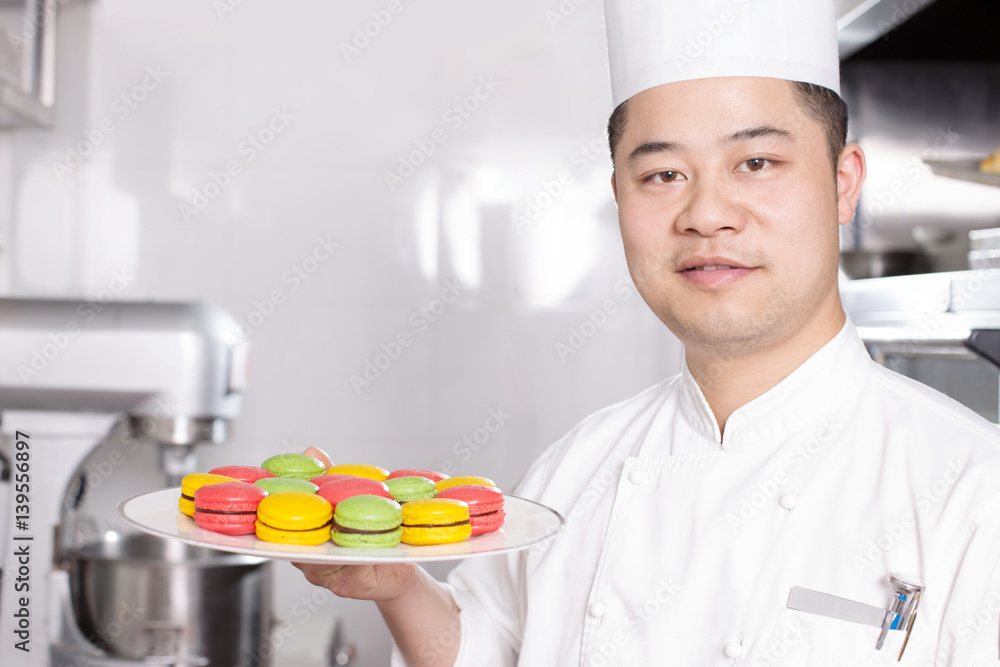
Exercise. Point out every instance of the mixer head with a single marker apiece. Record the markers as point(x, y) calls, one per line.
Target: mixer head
point(177, 438)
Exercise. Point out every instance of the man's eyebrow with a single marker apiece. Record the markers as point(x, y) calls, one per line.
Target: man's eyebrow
point(653, 147)
point(760, 131)
point(747, 134)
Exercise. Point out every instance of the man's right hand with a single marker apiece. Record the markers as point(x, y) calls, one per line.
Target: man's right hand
point(379, 583)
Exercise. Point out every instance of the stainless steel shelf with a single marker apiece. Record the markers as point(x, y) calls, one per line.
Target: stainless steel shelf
point(963, 170)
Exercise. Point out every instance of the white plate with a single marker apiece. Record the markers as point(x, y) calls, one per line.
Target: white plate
point(528, 523)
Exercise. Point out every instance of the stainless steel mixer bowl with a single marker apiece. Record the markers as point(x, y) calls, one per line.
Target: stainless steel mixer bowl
point(136, 596)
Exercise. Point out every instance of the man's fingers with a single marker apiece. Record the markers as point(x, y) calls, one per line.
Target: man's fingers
point(319, 574)
point(353, 581)
point(364, 582)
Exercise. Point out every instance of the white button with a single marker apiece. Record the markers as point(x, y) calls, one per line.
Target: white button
point(734, 650)
point(597, 610)
point(637, 477)
point(788, 500)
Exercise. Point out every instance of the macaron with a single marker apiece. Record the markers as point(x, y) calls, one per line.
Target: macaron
point(294, 518)
point(359, 470)
point(275, 485)
point(191, 483)
point(463, 480)
point(228, 507)
point(405, 489)
point(249, 474)
point(348, 487)
point(367, 521)
point(296, 466)
point(485, 505)
point(320, 480)
point(435, 521)
point(319, 455)
point(432, 475)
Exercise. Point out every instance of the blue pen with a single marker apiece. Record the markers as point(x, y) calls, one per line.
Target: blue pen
point(902, 611)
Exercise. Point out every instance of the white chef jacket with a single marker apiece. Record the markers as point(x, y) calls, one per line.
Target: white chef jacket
point(681, 545)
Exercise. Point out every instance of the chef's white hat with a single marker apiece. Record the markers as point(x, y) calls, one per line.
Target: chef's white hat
point(652, 42)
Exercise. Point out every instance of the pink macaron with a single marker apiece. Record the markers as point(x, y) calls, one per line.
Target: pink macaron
point(320, 480)
point(228, 507)
point(485, 505)
point(318, 453)
point(249, 474)
point(339, 489)
point(432, 475)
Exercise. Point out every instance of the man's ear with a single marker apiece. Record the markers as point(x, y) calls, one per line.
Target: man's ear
point(614, 187)
point(851, 170)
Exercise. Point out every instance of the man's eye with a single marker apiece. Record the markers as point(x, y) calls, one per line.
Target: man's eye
point(664, 177)
point(756, 163)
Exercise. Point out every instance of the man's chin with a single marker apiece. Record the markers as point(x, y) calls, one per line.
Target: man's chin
point(733, 335)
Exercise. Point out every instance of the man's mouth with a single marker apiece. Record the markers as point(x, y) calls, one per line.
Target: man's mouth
point(714, 267)
point(709, 271)
point(708, 263)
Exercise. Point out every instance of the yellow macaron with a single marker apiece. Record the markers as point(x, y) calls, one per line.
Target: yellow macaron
point(193, 482)
point(295, 517)
point(462, 481)
point(435, 521)
point(359, 470)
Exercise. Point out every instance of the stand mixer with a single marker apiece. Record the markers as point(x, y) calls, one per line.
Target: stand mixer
point(99, 401)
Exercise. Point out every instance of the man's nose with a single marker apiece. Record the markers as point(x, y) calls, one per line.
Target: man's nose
point(710, 210)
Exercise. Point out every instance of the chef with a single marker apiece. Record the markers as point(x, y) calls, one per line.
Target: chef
point(763, 506)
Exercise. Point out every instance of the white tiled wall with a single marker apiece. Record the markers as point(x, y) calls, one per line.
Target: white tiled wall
point(523, 288)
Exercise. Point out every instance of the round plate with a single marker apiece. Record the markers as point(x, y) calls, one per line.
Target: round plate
point(528, 523)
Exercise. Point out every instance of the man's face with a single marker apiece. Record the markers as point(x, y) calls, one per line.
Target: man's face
point(731, 173)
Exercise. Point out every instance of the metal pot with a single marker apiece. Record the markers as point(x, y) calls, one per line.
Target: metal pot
point(138, 596)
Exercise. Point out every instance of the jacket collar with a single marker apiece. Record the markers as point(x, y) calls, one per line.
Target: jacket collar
point(811, 395)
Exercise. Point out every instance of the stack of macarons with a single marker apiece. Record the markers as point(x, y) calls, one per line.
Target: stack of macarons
point(228, 507)
point(367, 521)
point(306, 499)
point(190, 485)
point(485, 505)
point(294, 517)
point(435, 521)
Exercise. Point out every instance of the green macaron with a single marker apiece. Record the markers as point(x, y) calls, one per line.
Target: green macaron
point(405, 489)
point(367, 521)
point(296, 466)
point(275, 485)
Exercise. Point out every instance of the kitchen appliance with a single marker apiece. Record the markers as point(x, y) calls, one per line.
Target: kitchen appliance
point(984, 247)
point(99, 400)
point(942, 329)
point(27, 61)
point(222, 617)
point(859, 264)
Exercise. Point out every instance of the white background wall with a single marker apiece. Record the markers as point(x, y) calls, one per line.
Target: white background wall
point(526, 288)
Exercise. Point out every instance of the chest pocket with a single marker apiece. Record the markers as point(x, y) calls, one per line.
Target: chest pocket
point(809, 640)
